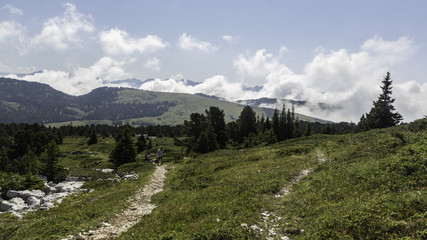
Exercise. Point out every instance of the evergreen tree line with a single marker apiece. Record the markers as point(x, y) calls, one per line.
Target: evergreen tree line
point(30, 150)
point(104, 130)
point(209, 132)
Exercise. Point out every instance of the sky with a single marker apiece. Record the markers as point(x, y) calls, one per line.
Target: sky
point(335, 52)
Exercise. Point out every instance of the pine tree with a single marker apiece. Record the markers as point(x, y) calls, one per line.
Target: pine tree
point(382, 114)
point(4, 159)
point(275, 124)
point(247, 122)
point(308, 130)
point(93, 137)
point(203, 143)
point(49, 159)
point(141, 144)
point(124, 152)
point(283, 125)
point(29, 163)
point(215, 118)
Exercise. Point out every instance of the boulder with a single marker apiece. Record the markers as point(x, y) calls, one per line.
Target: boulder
point(68, 187)
point(48, 189)
point(5, 206)
point(33, 201)
point(24, 194)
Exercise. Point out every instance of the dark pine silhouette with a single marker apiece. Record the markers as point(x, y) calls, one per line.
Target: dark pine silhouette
point(383, 113)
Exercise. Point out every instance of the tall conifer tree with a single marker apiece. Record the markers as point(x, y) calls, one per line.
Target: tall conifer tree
point(383, 113)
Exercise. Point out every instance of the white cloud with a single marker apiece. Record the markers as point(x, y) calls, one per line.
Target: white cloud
point(261, 66)
point(12, 10)
point(62, 32)
point(338, 78)
point(153, 64)
point(11, 31)
point(188, 42)
point(217, 85)
point(283, 50)
point(116, 41)
point(390, 51)
point(4, 68)
point(228, 38)
point(81, 80)
point(410, 99)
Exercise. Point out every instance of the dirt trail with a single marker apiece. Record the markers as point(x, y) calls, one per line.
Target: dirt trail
point(140, 205)
point(269, 227)
point(286, 190)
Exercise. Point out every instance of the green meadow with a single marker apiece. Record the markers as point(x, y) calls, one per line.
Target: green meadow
point(372, 185)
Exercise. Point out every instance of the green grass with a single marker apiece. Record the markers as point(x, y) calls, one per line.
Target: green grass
point(371, 186)
point(82, 211)
point(213, 194)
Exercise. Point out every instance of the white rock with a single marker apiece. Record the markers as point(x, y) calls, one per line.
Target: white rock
point(33, 201)
point(130, 177)
point(55, 197)
point(48, 189)
point(24, 194)
point(68, 186)
point(18, 204)
point(256, 228)
point(107, 170)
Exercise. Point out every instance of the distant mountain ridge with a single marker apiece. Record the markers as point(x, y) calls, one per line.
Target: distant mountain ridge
point(29, 102)
point(263, 102)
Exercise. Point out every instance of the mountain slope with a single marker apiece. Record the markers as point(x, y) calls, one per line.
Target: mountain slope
point(28, 102)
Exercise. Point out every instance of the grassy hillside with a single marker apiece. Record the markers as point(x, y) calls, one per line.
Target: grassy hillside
point(29, 102)
point(184, 105)
point(372, 185)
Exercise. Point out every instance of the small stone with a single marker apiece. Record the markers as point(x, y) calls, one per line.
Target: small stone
point(106, 224)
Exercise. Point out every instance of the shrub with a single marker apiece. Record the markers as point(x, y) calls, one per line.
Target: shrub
point(13, 181)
